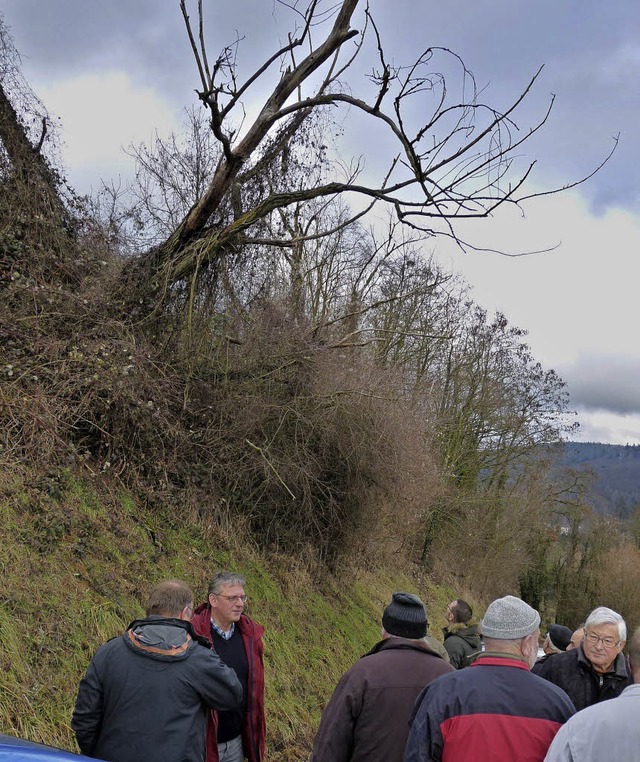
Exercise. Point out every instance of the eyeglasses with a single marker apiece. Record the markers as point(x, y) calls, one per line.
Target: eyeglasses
point(233, 598)
point(594, 639)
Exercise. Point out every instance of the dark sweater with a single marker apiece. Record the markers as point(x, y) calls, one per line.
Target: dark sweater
point(232, 654)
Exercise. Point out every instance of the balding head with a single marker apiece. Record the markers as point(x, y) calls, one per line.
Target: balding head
point(170, 599)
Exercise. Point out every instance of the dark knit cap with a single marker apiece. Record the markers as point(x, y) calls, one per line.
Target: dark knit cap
point(405, 617)
point(560, 636)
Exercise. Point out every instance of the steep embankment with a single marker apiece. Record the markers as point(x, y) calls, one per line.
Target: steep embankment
point(77, 557)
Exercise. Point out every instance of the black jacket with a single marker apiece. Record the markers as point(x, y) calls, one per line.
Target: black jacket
point(572, 671)
point(146, 693)
point(463, 643)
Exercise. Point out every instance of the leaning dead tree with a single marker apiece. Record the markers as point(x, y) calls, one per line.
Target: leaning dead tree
point(457, 161)
point(441, 158)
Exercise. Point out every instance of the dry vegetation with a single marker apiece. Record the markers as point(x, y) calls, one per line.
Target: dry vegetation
point(316, 414)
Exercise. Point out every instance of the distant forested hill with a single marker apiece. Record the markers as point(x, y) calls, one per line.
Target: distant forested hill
point(616, 489)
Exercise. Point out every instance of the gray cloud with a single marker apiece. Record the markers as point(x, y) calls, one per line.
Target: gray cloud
point(591, 59)
point(618, 430)
point(73, 38)
point(593, 74)
point(604, 383)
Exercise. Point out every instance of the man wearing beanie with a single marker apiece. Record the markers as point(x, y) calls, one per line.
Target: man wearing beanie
point(496, 710)
point(366, 719)
point(557, 639)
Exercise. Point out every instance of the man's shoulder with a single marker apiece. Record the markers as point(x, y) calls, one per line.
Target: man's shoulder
point(487, 687)
point(201, 621)
point(110, 646)
point(248, 626)
point(565, 661)
point(429, 647)
point(398, 657)
point(546, 686)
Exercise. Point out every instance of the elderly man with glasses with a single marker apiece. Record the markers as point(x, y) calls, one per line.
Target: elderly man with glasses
point(597, 670)
point(234, 736)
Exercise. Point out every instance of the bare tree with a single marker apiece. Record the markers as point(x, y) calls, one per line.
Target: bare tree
point(457, 162)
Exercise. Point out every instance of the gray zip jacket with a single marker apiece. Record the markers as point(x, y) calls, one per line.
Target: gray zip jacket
point(146, 694)
point(608, 730)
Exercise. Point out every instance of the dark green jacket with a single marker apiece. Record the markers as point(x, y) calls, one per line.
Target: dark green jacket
point(463, 643)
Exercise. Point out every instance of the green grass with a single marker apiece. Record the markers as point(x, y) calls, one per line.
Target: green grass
point(77, 559)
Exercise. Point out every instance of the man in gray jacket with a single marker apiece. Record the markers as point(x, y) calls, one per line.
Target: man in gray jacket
point(146, 693)
point(366, 719)
point(608, 730)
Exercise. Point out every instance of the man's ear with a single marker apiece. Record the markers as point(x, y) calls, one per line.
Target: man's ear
point(525, 644)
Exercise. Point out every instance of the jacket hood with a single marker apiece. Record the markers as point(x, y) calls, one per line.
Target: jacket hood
point(402, 644)
point(468, 631)
point(164, 639)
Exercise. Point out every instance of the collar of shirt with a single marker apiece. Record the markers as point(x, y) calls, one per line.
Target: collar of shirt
point(225, 634)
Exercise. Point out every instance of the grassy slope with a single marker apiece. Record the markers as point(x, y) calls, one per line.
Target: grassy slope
point(77, 559)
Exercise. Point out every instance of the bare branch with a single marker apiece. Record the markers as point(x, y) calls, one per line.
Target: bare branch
point(460, 162)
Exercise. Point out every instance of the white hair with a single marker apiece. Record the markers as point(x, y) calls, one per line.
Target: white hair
point(550, 643)
point(603, 615)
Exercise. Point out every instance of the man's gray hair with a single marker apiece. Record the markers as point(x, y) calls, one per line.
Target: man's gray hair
point(225, 578)
point(603, 615)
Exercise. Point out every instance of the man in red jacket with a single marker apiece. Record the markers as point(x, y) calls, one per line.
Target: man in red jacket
point(496, 710)
point(234, 736)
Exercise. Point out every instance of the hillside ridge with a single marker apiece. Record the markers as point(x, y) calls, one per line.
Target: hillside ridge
point(616, 469)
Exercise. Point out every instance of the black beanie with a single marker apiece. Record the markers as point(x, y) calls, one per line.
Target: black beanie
point(405, 617)
point(560, 636)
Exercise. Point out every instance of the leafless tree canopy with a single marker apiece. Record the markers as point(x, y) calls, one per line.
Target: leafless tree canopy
point(458, 160)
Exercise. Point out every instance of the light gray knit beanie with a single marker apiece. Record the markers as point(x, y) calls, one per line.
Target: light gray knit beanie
point(509, 618)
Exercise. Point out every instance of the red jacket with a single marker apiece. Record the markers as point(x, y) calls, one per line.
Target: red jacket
point(253, 725)
point(496, 710)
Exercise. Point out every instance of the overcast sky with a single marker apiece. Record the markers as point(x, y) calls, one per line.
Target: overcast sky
point(116, 71)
